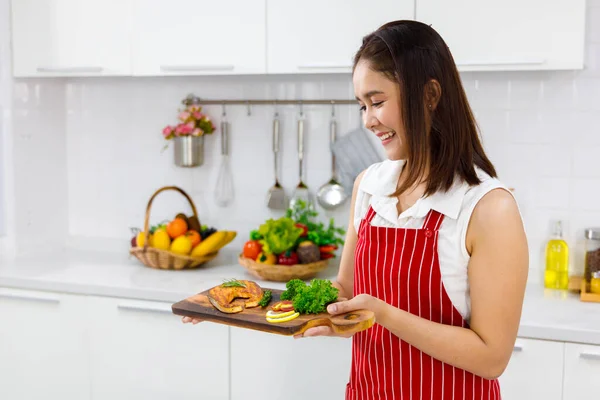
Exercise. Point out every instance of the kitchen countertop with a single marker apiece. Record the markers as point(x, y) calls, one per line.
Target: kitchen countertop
point(549, 315)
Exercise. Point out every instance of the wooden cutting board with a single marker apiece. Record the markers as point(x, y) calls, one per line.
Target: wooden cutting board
point(198, 306)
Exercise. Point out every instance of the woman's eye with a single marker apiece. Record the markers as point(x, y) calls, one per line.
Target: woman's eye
point(377, 104)
point(363, 108)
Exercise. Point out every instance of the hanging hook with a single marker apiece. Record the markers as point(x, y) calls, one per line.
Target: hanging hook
point(276, 110)
point(224, 112)
point(301, 109)
point(332, 109)
point(190, 99)
point(249, 110)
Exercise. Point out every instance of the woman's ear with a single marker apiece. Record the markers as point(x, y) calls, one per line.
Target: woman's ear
point(432, 94)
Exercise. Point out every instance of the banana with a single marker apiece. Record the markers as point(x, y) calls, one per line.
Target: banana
point(210, 244)
point(213, 243)
point(230, 236)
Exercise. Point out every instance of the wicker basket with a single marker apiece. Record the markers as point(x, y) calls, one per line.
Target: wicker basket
point(282, 273)
point(164, 259)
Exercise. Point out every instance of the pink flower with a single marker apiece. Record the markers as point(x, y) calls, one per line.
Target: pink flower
point(183, 129)
point(197, 115)
point(197, 132)
point(167, 132)
point(183, 116)
point(191, 125)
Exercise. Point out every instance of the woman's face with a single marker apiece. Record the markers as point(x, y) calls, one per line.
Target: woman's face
point(379, 99)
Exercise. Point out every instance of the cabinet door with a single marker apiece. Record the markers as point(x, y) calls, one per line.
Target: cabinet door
point(510, 34)
point(534, 371)
point(199, 37)
point(288, 368)
point(582, 372)
point(314, 36)
point(43, 346)
point(71, 37)
point(140, 350)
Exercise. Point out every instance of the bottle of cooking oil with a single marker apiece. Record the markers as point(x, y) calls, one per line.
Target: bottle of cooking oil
point(556, 275)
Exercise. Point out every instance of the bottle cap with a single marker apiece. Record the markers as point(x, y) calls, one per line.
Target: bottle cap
point(592, 233)
point(558, 231)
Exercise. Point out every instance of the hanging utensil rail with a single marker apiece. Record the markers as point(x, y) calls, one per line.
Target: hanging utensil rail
point(197, 100)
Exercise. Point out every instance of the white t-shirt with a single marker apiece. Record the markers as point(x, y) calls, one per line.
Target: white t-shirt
point(457, 205)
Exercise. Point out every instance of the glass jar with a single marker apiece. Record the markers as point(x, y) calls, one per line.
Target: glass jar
point(592, 259)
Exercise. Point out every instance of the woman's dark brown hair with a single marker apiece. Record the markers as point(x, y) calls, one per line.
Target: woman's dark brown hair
point(413, 54)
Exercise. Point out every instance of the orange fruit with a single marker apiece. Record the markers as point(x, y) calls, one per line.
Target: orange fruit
point(194, 237)
point(177, 227)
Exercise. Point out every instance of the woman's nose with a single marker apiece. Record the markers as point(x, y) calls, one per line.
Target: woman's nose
point(369, 120)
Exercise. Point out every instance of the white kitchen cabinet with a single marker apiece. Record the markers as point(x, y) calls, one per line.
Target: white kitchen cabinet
point(140, 350)
point(582, 372)
point(315, 36)
point(534, 371)
point(199, 37)
point(43, 346)
point(510, 34)
point(286, 368)
point(71, 37)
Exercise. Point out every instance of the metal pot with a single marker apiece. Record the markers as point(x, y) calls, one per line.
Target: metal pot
point(189, 151)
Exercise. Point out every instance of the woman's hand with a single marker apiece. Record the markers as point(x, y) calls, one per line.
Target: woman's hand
point(360, 302)
point(187, 320)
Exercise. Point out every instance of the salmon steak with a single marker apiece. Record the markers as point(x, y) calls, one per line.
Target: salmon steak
point(233, 299)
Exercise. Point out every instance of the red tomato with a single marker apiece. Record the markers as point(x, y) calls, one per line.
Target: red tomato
point(252, 249)
point(286, 307)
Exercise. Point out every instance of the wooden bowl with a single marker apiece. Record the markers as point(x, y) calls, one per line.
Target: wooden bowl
point(282, 273)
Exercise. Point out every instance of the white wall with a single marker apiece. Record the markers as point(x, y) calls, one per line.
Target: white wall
point(98, 156)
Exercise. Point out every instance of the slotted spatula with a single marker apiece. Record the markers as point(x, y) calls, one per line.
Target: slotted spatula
point(276, 198)
point(301, 192)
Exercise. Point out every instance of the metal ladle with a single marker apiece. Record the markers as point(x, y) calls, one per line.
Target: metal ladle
point(332, 194)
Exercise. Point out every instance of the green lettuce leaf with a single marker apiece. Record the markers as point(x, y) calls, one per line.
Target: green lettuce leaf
point(278, 235)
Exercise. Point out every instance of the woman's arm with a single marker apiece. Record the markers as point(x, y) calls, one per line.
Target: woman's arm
point(345, 278)
point(497, 277)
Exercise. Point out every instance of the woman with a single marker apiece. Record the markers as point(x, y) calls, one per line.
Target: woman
point(435, 244)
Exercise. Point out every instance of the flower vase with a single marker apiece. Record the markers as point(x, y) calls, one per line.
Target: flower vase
point(189, 151)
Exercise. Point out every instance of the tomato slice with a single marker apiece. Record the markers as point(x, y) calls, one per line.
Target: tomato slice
point(283, 303)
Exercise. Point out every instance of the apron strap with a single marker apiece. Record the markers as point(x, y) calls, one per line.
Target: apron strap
point(370, 214)
point(433, 221)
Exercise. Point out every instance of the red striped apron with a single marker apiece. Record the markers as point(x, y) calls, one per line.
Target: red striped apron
point(401, 267)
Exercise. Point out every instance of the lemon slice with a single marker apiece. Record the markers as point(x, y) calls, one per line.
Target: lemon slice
point(276, 315)
point(283, 319)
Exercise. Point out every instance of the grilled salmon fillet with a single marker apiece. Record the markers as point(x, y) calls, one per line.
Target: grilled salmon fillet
point(222, 298)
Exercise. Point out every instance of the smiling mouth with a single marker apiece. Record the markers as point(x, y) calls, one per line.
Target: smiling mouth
point(386, 136)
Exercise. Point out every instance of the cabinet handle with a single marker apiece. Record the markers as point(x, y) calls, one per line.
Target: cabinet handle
point(517, 348)
point(71, 69)
point(476, 63)
point(590, 356)
point(145, 308)
point(192, 68)
point(31, 297)
point(325, 66)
